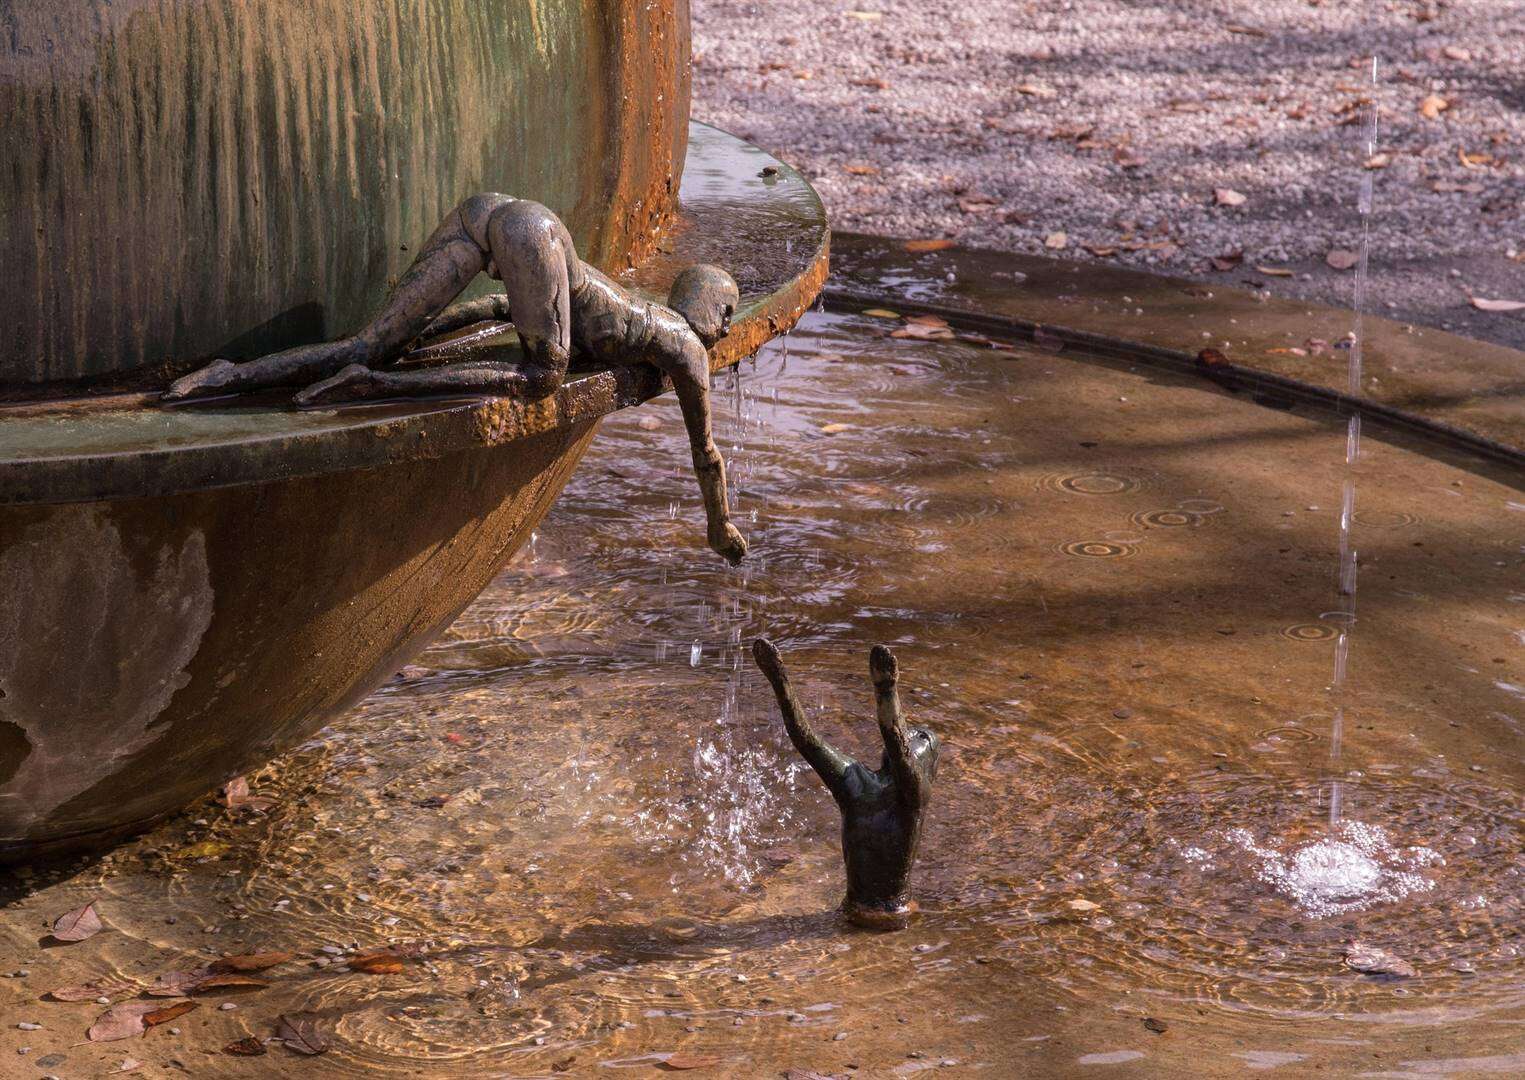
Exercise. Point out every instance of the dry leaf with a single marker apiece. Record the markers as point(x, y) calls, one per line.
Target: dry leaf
point(881, 313)
point(77, 925)
point(1211, 358)
point(377, 963)
point(1037, 90)
point(691, 1061)
point(1370, 960)
point(861, 170)
point(129, 1065)
point(1082, 905)
point(1378, 161)
point(1101, 251)
point(228, 980)
point(1497, 305)
point(926, 320)
point(1432, 106)
point(870, 84)
point(976, 204)
point(834, 429)
point(1056, 241)
point(1472, 161)
point(1340, 259)
point(250, 961)
point(1228, 197)
point(1291, 351)
point(247, 1047)
point(1274, 271)
point(300, 1034)
point(940, 244)
point(91, 991)
point(121, 1021)
point(1317, 346)
point(164, 1014)
point(1228, 260)
point(806, 1074)
point(866, 16)
point(1457, 53)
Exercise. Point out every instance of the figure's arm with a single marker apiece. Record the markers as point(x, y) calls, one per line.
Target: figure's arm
point(492, 308)
point(910, 785)
point(829, 763)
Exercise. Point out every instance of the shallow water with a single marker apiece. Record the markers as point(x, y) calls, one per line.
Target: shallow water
point(580, 818)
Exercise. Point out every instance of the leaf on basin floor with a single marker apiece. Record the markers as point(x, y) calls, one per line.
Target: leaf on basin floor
point(1370, 960)
point(1156, 1026)
point(1228, 197)
point(835, 429)
point(1497, 305)
point(1037, 90)
point(807, 1074)
point(1340, 259)
point(381, 962)
point(228, 980)
point(129, 1065)
point(246, 1047)
point(1082, 905)
point(1274, 271)
point(1228, 260)
point(176, 983)
point(300, 1034)
point(1211, 358)
point(881, 313)
point(164, 1014)
point(121, 1021)
point(77, 925)
point(922, 332)
point(927, 320)
point(937, 244)
point(91, 991)
point(684, 1062)
point(250, 962)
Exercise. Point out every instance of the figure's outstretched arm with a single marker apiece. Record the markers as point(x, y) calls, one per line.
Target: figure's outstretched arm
point(911, 785)
point(829, 763)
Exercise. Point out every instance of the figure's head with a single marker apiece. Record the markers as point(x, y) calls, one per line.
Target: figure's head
point(706, 296)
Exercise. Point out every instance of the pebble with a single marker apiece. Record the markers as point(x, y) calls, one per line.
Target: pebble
point(174, 1031)
point(228, 1006)
point(839, 1036)
point(27, 1025)
point(332, 950)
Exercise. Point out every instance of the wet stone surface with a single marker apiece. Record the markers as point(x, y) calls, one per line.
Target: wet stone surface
point(573, 837)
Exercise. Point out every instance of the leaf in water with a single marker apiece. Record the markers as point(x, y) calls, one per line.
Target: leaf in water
point(861, 170)
point(648, 423)
point(939, 244)
point(922, 332)
point(77, 925)
point(1156, 1026)
point(129, 1065)
point(207, 849)
point(1082, 905)
point(1432, 106)
point(1228, 197)
point(247, 1047)
point(927, 320)
point(1370, 960)
point(835, 429)
point(684, 1062)
point(1228, 260)
point(165, 1014)
point(382, 962)
point(91, 991)
point(121, 1021)
point(1497, 305)
point(250, 961)
point(228, 980)
point(1274, 271)
point(176, 983)
point(1211, 358)
point(1340, 259)
point(1037, 90)
point(881, 313)
point(300, 1034)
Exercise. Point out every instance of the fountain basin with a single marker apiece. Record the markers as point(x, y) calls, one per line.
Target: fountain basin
point(189, 590)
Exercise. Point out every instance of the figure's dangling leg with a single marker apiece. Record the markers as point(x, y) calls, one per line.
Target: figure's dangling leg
point(535, 257)
point(449, 259)
point(360, 383)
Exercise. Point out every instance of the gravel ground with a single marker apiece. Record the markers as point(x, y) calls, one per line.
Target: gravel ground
point(1104, 129)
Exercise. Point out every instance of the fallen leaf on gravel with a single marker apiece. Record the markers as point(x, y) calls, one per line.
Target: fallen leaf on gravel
point(383, 962)
point(861, 170)
point(1211, 358)
point(1472, 161)
point(1497, 305)
point(692, 1061)
point(247, 1047)
point(1432, 106)
point(1228, 260)
point(866, 16)
point(129, 1065)
point(805, 1074)
point(976, 204)
point(1274, 271)
point(1156, 1026)
point(835, 429)
point(1370, 960)
point(166, 1013)
point(300, 1034)
point(121, 1021)
point(1249, 31)
point(1228, 197)
point(926, 320)
point(90, 991)
point(1101, 251)
point(881, 313)
point(1037, 90)
point(1471, 187)
point(1082, 905)
point(938, 244)
point(870, 84)
point(258, 961)
point(77, 925)
point(1457, 53)
point(1056, 241)
point(1378, 161)
point(1340, 259)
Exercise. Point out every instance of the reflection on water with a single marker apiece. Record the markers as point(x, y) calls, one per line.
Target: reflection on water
point(580, 820)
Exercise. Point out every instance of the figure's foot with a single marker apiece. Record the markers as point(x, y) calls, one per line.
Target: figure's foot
point(892, 915)
point(216, 377)
point(353, 383)
point(729, 544)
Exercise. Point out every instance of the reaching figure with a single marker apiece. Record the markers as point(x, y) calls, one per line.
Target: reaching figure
point(557, 304)
point(881, 810)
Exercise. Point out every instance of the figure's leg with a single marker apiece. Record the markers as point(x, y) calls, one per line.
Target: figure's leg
point(360, 383)
point(534, 255)
point(690, 373)
point(450, 258)
point(492, 308)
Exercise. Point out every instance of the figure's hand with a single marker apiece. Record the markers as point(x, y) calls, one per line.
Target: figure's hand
point(728, 543)
point(216, 377)
point(354, 382)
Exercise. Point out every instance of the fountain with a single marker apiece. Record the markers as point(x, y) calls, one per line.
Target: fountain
point(189, 591)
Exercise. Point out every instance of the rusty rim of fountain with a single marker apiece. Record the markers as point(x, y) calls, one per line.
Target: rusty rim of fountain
point(738, 206)
point(1449, 390)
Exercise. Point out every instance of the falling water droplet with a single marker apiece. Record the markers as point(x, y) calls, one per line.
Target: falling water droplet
point(695, 652)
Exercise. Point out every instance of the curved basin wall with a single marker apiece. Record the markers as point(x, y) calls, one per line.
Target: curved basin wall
point(141, 640)
point(197, 178)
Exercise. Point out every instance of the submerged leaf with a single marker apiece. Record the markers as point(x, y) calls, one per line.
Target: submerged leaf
point(77, 925)
point(381, 962)
point(299, 1034)
point(1370, 960)
point(90, 991)
point(246, 1047)
point(121, 1021)
point(940, 244)
point(250, 961)
point(164, 1014)
point(1497, 305)
point(692, 1061)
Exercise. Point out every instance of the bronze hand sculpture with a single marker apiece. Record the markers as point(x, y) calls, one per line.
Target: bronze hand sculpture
point(881, 809)
point(557, 305)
